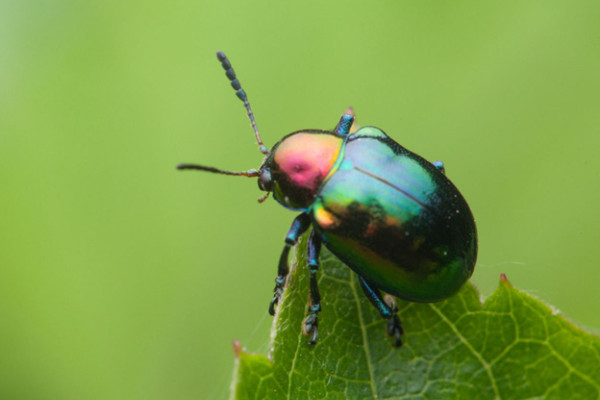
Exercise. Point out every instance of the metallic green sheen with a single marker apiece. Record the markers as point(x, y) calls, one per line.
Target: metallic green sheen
point(395, 219)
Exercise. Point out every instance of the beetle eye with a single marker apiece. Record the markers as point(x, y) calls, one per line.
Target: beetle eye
point(264, 180)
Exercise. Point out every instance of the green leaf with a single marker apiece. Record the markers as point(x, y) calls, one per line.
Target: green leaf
point(510, 347)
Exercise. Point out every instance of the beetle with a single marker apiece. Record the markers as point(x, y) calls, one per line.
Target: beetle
point(390, 215)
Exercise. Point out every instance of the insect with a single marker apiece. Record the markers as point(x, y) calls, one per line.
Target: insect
point(391, 216)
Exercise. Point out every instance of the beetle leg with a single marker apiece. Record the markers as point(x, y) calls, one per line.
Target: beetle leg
point(386, 307)
point(312, 321)
point(440, 166)
point(343, 127)
point(299, 226)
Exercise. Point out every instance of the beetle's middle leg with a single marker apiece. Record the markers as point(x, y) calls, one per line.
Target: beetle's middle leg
point(311, 322)
point(387, 309)
point(299, 226)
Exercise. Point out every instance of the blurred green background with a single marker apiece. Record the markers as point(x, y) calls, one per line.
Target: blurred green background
point(121, 278)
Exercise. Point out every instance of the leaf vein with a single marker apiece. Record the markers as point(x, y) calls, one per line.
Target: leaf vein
point(477, 355)
point(364, 336)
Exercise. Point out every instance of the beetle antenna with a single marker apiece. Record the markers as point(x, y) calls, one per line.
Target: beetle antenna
point(251, 173)
point(241, 94)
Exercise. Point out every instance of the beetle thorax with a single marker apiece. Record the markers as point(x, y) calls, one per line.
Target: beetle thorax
point(300, 163)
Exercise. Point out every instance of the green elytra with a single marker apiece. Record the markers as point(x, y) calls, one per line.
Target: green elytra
point(390, 215)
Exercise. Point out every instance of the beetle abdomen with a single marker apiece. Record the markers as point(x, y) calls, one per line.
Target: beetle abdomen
point(396, 220)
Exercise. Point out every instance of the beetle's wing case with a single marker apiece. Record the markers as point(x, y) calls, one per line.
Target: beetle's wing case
point(395, 219)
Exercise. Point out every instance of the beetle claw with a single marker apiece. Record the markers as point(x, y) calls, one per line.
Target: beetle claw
point(275, 299)
point(394, 329)
point(278, 291)
point(272, 304)
point(313, 340)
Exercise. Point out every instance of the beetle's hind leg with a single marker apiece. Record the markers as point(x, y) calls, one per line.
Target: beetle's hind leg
point(387, 309)
point(311, 322)
point(299, 226)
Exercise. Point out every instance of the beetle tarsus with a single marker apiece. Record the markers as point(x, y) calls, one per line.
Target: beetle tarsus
point(312, 321)
point(394, 326)
point(279, 284)
point(394, 329)
point(310, 326)
point(274, 301)
point(387, 309)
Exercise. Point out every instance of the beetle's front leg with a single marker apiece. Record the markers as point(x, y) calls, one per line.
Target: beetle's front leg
point(387, 309)
point(311, 322)
point(299, 226)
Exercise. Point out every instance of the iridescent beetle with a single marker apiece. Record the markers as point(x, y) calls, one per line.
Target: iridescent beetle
point(387, 213)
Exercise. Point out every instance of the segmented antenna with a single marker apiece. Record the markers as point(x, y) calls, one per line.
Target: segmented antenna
point(241, 94)
point(250, 173)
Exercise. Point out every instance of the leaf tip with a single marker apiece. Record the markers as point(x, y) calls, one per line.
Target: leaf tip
point(237, 348)
point(504, 280)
